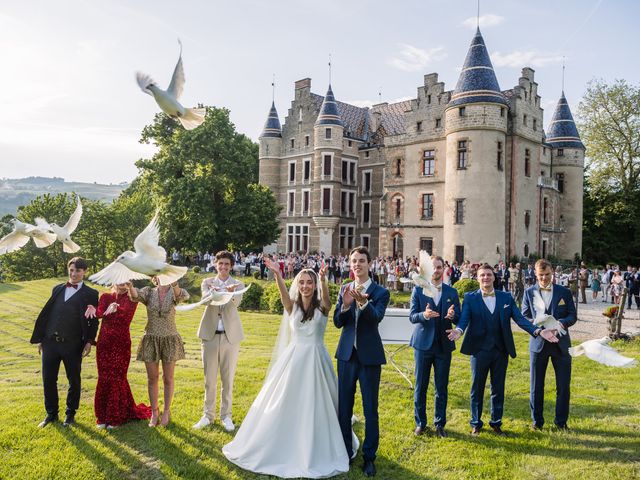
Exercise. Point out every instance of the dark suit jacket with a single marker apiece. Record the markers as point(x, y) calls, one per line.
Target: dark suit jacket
point(89, 325)
point(472, 320)
point(370, 350)
point(425, 331)
point(562, 308)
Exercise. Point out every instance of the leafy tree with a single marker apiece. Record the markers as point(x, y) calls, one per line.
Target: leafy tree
point(204, 182)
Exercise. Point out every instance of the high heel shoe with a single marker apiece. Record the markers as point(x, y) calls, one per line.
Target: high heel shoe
point(166, 418)
point(155, 416)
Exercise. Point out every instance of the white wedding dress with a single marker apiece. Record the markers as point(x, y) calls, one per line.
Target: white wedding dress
point(291, 429)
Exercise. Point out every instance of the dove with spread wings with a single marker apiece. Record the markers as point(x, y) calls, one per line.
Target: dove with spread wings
point(148, 260)
point(21, 234)
point(213, 298)
point(423, 277)
point(63, 234)
point(543, 320)
point(167, 100)
point(599, 351)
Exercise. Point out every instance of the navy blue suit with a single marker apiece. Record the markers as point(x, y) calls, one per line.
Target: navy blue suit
point(361, 364)
point(540, 351)
point(489, 342)
point(432, 347)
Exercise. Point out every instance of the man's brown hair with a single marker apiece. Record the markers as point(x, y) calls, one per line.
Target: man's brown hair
point(78, 262)
point(225, 254)
point(543, 264)
point(485, 266)
point(363, 250)
point(438, 258)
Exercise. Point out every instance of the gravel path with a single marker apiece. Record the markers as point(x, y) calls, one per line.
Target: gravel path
point(592, 324)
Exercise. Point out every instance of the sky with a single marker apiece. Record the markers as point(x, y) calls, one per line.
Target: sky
point(71, 107)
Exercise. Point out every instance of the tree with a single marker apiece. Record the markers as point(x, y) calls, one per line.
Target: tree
point(204, 183)
point(609, 120)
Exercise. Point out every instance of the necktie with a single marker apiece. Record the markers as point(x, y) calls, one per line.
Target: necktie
point(492, 294)
point(72, 285)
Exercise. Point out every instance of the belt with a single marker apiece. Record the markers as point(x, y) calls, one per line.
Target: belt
point(57, 338)
point(219, 332)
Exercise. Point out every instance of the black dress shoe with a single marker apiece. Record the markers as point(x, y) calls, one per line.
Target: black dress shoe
point(475, 432)
point(69, 420)
point(50, 418)
point(440, 432)
point(562, 426)
point(536, 427)
point(498, 431)
point(369, 469)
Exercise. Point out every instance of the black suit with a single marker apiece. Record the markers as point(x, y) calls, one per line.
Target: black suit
point(63, 331)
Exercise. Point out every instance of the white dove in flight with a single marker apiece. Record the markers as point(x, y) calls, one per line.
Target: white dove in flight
point(21, 234)
point(63, 234)
point(423, 277)
point(147, 261)
point(542, 319)
point(214, 298)
point(167, 100)
point(599, 351)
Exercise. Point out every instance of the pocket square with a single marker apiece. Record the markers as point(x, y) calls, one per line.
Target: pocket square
point(561, 302)
point(506, 306)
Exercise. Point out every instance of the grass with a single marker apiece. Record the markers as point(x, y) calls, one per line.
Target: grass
point(604, 439)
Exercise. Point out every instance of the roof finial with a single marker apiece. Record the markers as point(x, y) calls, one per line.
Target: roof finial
point(563, 58)
point(478, 17)
point(329, 69)
point(273, 88)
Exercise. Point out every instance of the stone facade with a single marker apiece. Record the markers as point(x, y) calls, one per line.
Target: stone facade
point(466, 174)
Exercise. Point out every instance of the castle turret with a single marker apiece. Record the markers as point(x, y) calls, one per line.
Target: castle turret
point(328, 134)
point(475, 128)
point(567, 161)
point(270, 151)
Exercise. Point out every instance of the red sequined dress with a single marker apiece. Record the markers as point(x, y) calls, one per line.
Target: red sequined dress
point(114, 404)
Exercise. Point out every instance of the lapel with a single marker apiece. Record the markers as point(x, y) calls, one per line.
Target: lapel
point(500, 304)
point(555, 298)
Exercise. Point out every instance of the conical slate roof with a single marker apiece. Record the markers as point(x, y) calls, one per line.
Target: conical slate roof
point(477, 81)
point(272, 125)
point(562, 131)
point(329, 113)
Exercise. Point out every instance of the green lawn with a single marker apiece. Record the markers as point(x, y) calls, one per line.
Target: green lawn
point(604, 439)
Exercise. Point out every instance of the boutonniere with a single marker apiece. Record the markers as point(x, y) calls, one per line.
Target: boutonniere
point(506, 306)
point(561, 302)
point(448, 300)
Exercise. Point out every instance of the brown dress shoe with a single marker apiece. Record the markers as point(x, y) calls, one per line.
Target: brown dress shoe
point(418, 431)
point(475, 431)
point(498, 431)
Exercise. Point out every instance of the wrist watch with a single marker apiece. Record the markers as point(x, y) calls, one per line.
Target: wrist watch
point(537, 332)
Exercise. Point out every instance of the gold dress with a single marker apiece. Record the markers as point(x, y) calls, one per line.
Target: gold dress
point(161, 340)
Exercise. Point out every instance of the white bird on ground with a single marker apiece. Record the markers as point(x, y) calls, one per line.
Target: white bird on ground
point(147, 261)
point(599, 351)
point(214, 298)
point(63, 234)
point(21, 234)
point(542, 319)
point(423, 277)
point(167, 100)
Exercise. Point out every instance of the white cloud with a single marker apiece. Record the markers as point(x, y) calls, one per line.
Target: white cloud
point(371, 103)
point(411, 59)
point(519, 59)
point(488, 20)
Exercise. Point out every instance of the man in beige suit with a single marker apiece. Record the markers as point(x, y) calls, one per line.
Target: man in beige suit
point(220, 332)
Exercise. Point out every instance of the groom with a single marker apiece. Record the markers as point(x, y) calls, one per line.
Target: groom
point(361, 307)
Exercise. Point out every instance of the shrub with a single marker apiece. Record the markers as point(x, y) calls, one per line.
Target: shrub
point(270, 300)
point(196, 269)
point(334, 291)
point(256, 275)
point(346, 280)
point(465, 286)
point(252, 297)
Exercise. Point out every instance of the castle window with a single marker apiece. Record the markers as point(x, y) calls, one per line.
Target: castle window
point(398, 207)
point(346, 237)
point(293, 143)
point(345, 171)
point(502, 111)
point(366, 154)
point(460, 254)
point(428, 162)
point(306, 140)
point(459, 213)
point(326, 170)
point(462, 154)
point(291, 202)
point(343, 203)
point(527, 162)
point(327, 133)
point(292, 172)
point(525, 94)
point(352, 204)
point(297, 238)
point(527, 218)
point(398, 167)
point(419, 126)
point(326, 201)
point(349, 143)
point(306, 197)
point(545, 210)
point(366, 214)
point(438, 122)
point(526, 249)
point(560, 179)
point(535, 125)
point(366, 182)
point(365, 240)
point(544, 151)
point(307, 171)
point(426, 244)
point(428, 98)
point(462, 111)
point(499, 157)
point(352, 172)
point(524, 120)
point(561, 152)
point(427, 206)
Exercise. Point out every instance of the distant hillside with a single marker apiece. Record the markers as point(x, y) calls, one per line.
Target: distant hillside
point(15, 192)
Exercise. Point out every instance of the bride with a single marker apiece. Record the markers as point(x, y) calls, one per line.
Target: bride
point(291, 429)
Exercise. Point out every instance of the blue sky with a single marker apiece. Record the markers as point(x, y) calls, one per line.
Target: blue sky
point(71, 107)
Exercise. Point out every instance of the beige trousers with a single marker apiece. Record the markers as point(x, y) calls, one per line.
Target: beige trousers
point(218, 354)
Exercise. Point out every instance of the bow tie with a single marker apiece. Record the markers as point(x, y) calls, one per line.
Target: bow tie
point(545, 289)
point(492, 294)
point(72, 285)
point(438, 287)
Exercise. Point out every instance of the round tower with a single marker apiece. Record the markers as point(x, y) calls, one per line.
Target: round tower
point(327, 145)
point(567, 163)
point(270, 150)
point(475, 187)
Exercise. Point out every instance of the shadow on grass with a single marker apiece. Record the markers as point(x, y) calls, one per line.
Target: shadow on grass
point(10, 287)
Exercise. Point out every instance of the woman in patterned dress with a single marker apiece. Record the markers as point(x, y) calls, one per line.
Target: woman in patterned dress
point(114, 403)
point(161, 342)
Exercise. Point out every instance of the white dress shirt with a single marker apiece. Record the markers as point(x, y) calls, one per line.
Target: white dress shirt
point(365, 287)
point(546, 296)
point(490, 301)
point(70, 291)
point(222, 285)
